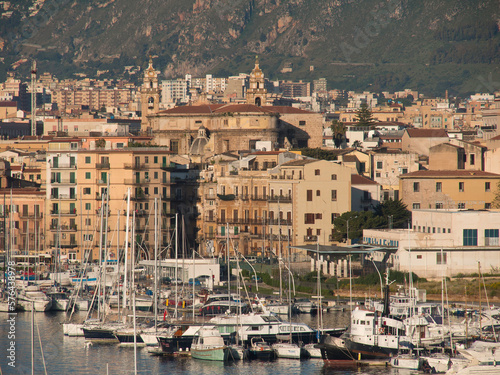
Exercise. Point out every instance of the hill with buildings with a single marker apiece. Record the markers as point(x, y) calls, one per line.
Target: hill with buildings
point(429, 45)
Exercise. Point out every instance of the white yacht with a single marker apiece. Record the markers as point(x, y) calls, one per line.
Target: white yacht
point(33, 296)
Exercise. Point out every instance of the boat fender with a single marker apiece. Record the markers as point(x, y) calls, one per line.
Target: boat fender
point(381, 330)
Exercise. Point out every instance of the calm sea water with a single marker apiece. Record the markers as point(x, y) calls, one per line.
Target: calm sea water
point(69, 355)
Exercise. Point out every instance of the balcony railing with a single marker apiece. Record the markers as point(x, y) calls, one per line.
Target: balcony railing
point(64, 166)
point(31, 215)
point(63, 197)
point(240, 221)
point(136, 181)
point(136, 166)
point(63, 181)
point(310, 238)
point(211, 196)
point(210, 219)
point(102, 166)
point(64, 244)
point(63, 212)
point(281, 198)
point(64, 227)
point(167, 166)
point(281, 222)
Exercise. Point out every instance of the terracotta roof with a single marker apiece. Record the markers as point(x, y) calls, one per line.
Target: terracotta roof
point(495, 138)
point(287, 110)
point(295, 163)
point(449, 173)
point(217, 108)
point(427, 133)
point(350, 158)
point(357, 179)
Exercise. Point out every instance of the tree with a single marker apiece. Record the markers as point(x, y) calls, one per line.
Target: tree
point(397, 210)
point(364, 116)
point(338, 132)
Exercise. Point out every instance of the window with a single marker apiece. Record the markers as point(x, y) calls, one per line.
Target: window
point(146, 159)
point(316, 172)
point(155, 159)
point(419, 256)
point(439, 187)
point(439, 205)
point(334, 195)
point(318, 193)
point(87, 206)
point(379, 165)
point(487, 206)
point(416, 206)
point(309, 218)
point(487, 186)
point(334, 176)
point(88, 237)
point(472, 159)
point(88, 159)
point(88, 175)
point(491, 237)
point(416, 187)
point(86, 191)
point(441, 258)
point(155, 175)
point(302, 123)
point(88, 222)
point(461, 206)
point(309, 195)
point(461, 186)
point(377, 174)
point(470, 237)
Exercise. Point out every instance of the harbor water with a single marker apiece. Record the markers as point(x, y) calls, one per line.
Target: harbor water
point(70, 355)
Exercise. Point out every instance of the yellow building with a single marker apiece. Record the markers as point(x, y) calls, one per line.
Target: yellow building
point(449, 189)
point(77, 184)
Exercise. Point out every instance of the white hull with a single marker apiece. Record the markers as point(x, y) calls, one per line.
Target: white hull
point(278, 309)
point(60, 304)
point(312, 351)
point(285, 350)
point(73, 329)
point(405, 362)
point(40, 306)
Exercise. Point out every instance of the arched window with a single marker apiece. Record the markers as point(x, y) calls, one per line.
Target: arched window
point(258, 102)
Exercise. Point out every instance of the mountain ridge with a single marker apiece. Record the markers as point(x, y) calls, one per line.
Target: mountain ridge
point(430, 45)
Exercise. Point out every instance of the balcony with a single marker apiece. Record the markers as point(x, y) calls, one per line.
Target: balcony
point(136, 166)
point(101, 182)
point(64, 166)
point(63, 212)
point(63, 197)
point(64, 244)
point(210, 196)
point(135, 181)
point(64, 227)
point(280, 222)
point(32, 215)
point(210, 219)
point(63, 181)
point(244, 197)
point(140, 197)
point(281, 198)
point(102, 166)
point(310, 238)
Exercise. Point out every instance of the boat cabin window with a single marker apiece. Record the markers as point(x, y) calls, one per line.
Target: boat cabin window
point(254, 328)
point(270, 319)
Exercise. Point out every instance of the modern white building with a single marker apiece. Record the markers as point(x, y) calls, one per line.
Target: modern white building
point(443, 242)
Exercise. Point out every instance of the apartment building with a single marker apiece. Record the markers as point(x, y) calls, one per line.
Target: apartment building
point(448, 189)
point(87, 192)
point(308, 194)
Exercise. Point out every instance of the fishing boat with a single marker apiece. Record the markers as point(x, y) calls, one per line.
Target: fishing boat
point(208, 344)
point(334, 351)
point(259, 349)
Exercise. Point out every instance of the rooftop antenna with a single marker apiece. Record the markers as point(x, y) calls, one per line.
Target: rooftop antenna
point(33, 98)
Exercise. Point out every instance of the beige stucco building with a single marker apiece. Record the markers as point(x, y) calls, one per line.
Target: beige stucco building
point(449, 189)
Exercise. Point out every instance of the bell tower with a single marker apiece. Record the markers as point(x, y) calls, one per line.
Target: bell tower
point(256, 93)
point(150, 94)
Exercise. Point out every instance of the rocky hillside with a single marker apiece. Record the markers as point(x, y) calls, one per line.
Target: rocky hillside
point(428, 45)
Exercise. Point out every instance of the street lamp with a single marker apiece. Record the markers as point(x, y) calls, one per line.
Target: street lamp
point(370, 257)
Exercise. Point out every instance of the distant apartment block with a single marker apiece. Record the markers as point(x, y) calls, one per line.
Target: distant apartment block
point(291, 89)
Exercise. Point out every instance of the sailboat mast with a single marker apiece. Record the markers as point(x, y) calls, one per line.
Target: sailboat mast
point(279, 250)
point(228, 266)
point(156, 264)
point(125, 273)
point(176, 264)
point(99, 298)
